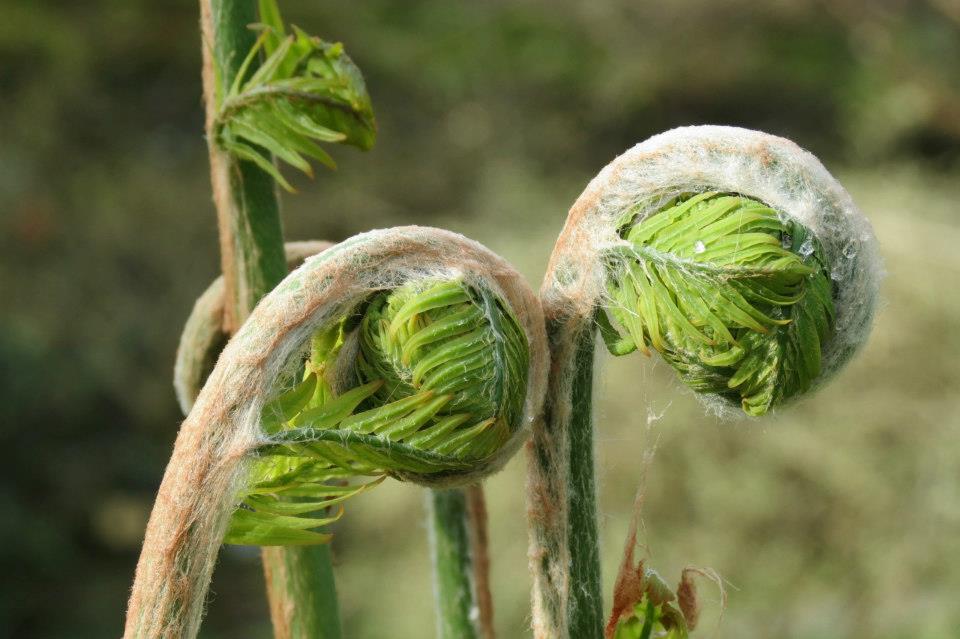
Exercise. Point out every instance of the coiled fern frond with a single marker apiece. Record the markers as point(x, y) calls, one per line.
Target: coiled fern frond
point(738, 258)
point(288, 414)
point(306, 91)
point(426, 380)
point(736, 299)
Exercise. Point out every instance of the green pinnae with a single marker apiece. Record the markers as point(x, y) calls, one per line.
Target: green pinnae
point(440, 380)
point(736, 299)
point(448, 337)
point(305, 92)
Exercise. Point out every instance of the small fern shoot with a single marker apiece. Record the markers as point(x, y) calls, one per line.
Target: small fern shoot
point(304, 92)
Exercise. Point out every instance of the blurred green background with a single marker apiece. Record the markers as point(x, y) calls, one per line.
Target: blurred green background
point(840, 518)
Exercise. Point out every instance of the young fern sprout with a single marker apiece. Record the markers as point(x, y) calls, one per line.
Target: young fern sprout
point(409, 352)
point(732, 254)
point(425, 383)
point(304, 91)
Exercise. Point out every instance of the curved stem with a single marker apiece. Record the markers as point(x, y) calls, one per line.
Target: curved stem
point(210, 464)
point(300, 584)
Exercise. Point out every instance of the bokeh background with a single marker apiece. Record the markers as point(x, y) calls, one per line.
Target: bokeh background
point(838, 519)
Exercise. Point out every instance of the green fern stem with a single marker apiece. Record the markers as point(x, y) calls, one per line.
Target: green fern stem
point(586, 607)
point(251, 235)
point(562, 496)
point(299, 582)
point(451, 549)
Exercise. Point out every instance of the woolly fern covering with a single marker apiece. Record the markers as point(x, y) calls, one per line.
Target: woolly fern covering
point(437, 374)
point(735, 298)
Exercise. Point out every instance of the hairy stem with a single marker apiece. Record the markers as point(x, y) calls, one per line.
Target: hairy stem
point(458, 611)
point(300, 584)
point(480, 545)
point(561, 492)
point(586, 605)
point(248, 212)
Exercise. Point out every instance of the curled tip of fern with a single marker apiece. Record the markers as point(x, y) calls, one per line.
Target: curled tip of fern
point(423, 382)
point(735, 298)
point(304, 93)
point(447, 337)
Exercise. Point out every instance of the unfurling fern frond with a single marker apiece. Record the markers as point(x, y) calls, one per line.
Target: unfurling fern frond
point(735, 299)
point(738, 258)
point(305, 91)
point(438, 374)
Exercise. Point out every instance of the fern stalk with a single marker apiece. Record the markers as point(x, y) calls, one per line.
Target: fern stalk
point(460, 582)
point(299, 581)
point(562, 494)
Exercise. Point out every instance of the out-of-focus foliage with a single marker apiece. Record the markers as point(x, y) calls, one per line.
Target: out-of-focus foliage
point(839, 519)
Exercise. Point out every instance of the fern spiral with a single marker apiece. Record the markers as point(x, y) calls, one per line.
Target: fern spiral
point(435, 389)
point(736, 257)
point(364, 362)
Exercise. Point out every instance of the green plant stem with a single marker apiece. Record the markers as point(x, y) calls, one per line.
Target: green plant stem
point(585, 612)
point(460, 613)
point(300, 584)
point(248, 212)
point(564, 552)
point(303, 574)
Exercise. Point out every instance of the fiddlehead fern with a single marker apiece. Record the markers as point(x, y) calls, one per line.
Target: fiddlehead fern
point(435, 389)
point(305, 91)
point(735, 256)
point(289, 404)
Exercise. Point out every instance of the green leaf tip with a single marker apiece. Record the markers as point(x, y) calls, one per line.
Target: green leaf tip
point(437, 385)
point(305, 92)
point(736, 299)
